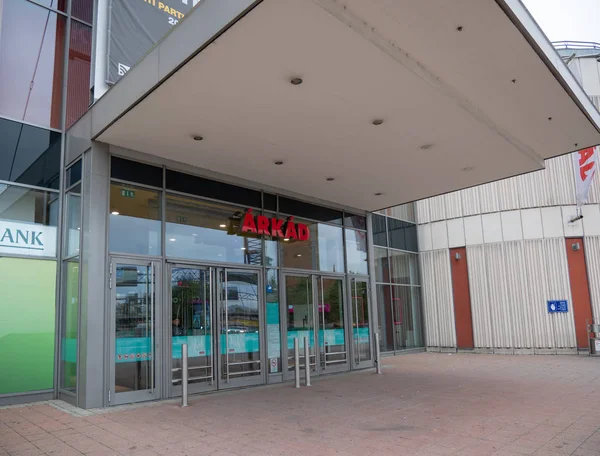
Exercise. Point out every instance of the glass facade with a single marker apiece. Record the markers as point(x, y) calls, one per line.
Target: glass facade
point(37, 63)
point(398, 280)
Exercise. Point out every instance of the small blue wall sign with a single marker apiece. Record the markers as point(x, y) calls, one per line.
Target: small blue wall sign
point(558, 306)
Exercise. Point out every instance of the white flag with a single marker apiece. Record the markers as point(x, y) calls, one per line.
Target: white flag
point(585, 162)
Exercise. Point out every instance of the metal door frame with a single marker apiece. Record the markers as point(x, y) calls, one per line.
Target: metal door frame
point(338, 366)
point(154, 393)
point(313, 277)
point(174, 390)
point(261, 378)
point(366, 363)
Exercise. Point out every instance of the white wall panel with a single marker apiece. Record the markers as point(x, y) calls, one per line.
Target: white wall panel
point(592, 258)
point(473, 230)
point(439, 235)
point(470, 201)
point(437, 208)
point(453, 204)
point(591, 220)
point(537, 294)
point(492, 228)
point(511, 225)
point(508, 193)
point(488, 195)
point(571, 229)
point(444, 299)
point(590, 75)
point(559, 171)
point(456, 233)
point(422, 208)
point(559, 288)
point(424, 237)
point(430, 314)
point(516, 300)
point(552, 222)
point(534, 189)
point(480, 304)
point(498, 294)
point(532, 223)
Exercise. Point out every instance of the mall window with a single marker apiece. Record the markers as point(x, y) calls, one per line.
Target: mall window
point(204, 230)
point(69, 325)
point(273, 331)
point(31, 63)
point(29, 155)
point(323, 251)
point(398, 282)
point(135, 220)
point(356, 252)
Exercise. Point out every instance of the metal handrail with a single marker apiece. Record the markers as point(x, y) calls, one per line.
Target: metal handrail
point(576, 45)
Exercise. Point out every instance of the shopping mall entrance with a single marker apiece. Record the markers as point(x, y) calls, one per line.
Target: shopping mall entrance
point(337, 329)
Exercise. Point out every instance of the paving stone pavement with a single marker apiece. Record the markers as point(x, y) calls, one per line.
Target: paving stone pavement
point(423, 404)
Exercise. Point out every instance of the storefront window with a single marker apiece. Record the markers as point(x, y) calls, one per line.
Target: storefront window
point(323, 251)
point(404, 268)
point(28, 220)
point(382, 270)
point(271, 248)
point(402, 235)
point(379, 230)
point(273, 332)
point(386, 318)
point(356, 252)
point(204, 230)
point(407, 317)
point(135, 215)
point(68, 357)
point(27, 324)
point(31, 66)
point(72, 221)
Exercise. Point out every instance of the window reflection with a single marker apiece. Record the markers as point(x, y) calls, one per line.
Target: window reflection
point(404, 268)
point(31, 46)
point(205, 230)
point(356, 252)
point(134, 220)
point(322, 252)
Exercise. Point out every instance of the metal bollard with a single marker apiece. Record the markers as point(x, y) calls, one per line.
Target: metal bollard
point(184, 375)
point(377, 353)
point(307, 360)
point(297, 362)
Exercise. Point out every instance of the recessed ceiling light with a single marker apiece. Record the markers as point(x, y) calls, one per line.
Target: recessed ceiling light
point(426, 146)
point(549, 118)
point(298, 255)
point(378, 194)
point(330, 179)
point(243, 248)
point(198, 138)
point(115, 213)
point(286, 239)
point(468, 168)
point(172, 239)
point(459, 28)
point(222, 225)
point(278, 162)
point(296, 81)
point(377, 121)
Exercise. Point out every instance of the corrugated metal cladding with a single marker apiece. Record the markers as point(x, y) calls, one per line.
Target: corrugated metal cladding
point(422, 211)
point(510, 284)
point(592, 258)
point(553, 186)
point(437, 299)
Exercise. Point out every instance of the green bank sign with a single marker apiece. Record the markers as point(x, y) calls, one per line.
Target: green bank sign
point(28, 239)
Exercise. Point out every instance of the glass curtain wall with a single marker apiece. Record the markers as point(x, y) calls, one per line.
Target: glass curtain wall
point(398, 280)
point(41, 48)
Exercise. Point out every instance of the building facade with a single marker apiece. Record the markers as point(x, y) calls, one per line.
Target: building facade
point(492, 256)
point(212, 186)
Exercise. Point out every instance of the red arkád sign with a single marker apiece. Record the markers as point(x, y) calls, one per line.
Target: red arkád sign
point(285, 229)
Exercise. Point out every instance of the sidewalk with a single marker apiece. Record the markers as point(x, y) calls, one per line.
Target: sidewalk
point(423, 404)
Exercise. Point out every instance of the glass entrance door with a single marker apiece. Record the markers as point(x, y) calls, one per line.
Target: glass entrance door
point(218, 313)
point(361, 334)
point(240, 360)
point(192, 324)
point(134, 319)
point(316, 310)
